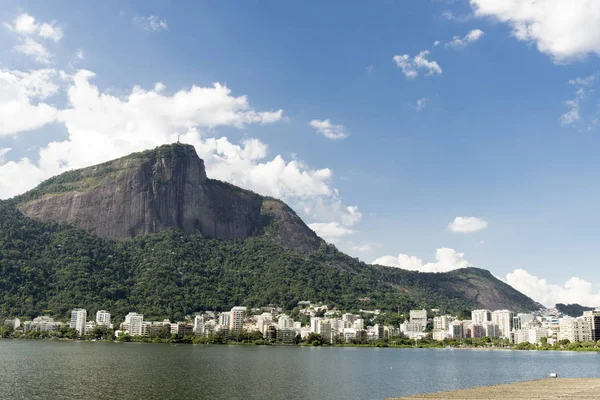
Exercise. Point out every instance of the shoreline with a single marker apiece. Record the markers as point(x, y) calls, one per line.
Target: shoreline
point(547, 388)
point(390, 346)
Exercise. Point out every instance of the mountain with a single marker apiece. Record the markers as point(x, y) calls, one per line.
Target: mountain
point(151, 233)
point(159, 189)
point(572, 310)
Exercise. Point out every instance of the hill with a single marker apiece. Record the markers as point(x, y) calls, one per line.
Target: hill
point(572, 310)
point(74, 241)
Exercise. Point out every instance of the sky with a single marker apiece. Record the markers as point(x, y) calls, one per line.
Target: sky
point(426, 135)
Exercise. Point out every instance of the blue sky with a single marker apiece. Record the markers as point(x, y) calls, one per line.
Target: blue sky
point(493, 131)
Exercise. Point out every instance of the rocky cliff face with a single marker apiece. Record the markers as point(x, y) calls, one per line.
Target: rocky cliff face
point(167, 187)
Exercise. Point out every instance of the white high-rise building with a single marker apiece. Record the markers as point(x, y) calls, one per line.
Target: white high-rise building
point(285, 322)
point(225, 319)
point(418, 316)
point(78, 320)
point(134, 323)
point(314, 324)
point(491, 330)
point(359, 324)
point(481, 316)
point(199, 325)
point(103, 318)
point(504, 320)
point(236, 324)
point(442, 323)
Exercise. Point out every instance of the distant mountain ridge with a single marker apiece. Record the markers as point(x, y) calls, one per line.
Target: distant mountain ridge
point(572, 310)
point(151, 233)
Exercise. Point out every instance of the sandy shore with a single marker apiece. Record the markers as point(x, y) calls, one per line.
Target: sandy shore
point(561, 388)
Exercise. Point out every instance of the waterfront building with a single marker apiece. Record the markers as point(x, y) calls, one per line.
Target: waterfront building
point(133, 324)
point(456, 330)
point(324, 329)
point(349, 334)
point(477, 331)
point(103, 318)
point(574, 329)
point(199, 325)
point(236, 324)
point(225, 319)
point(592, 318)
point(314, 324)
point(491, 330)
point(504, 320)
point(286, 335)
point(89, 327)
point(419, 316)
point(42, 324)
point(78, 320)
point(285, 322)
point(522, 320)
point(481, 316)
point(441, 335)
point(12, 324)
point(442, 323)
point(359, 324)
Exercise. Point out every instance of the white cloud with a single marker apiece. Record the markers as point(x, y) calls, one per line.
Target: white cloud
point(36, 50)
point(582, 91)
point(79, 54)
point(365, 247)
point(436, 43)
point(421, 103)
point(151, 23)
point(446, 260)
point(29, 31)
point(467, 224)
point(410, 66)
point(329, 130)
point(574, 290)
point(472, 36)
point(564, 30)
point(3, 152)
point(586, 81)
point(449, 15)
point(330, 231)
point(21, 93)
point(102, 126)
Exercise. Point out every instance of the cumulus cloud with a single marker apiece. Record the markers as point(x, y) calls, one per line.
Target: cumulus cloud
point(472, 36)
point(30, 32)
point(3, 152)
point(574, 290)
point(329, 130)
point(330, 231)
point(436, 43)
point(564, 30)
point(467, 224)
point(21, 95)
point(447, 259)
point(410, 66)
point(102, 126)
point(151, 23)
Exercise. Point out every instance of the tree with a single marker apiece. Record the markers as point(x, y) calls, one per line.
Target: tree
point(315, 339)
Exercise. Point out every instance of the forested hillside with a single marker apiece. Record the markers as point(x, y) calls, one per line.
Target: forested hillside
point(51, 268)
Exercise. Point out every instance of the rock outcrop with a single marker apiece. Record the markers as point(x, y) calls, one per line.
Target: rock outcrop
point(167, 187)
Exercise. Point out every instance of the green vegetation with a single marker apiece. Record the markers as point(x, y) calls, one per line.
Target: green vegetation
point(48, 268)
point(572, 310)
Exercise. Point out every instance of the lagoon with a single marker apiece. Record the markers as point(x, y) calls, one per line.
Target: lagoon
point(43, 369)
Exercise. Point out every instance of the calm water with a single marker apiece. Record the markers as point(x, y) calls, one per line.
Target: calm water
point(74, 370)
